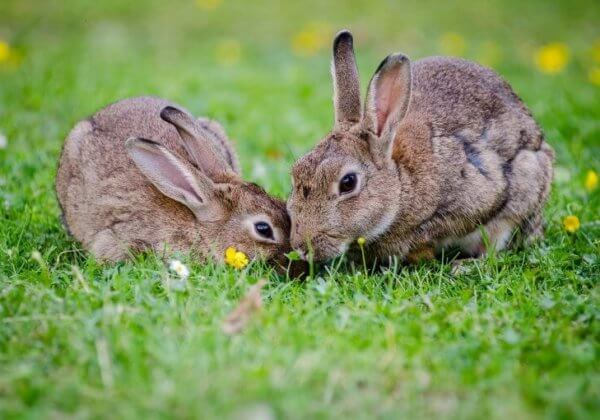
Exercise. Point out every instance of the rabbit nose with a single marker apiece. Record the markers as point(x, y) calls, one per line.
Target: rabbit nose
point(300, 237)
point(299, 244)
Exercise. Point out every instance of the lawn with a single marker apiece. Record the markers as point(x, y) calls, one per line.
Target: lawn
point(514, 335)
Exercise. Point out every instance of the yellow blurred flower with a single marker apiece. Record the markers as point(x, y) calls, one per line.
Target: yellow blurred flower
point(594, 75)
point(311, 39)
point(228, 52)
point(273, 153)
point(10, 58)
point(453, 43)
point(4, 51)
point(596, 51)
point(235, 258)
point(208, 4)
point(571, 223)
point(552, 58)
point(591, 180)
point(361, 241)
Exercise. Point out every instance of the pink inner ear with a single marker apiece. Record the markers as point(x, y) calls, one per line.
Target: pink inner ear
point(164, 172)
point(382, 115)
point(389, 93)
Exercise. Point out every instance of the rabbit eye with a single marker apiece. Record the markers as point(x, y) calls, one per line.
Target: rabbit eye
point(348, 183)
point(264, 230)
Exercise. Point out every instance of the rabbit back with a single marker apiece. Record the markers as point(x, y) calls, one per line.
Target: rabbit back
point(492, 164)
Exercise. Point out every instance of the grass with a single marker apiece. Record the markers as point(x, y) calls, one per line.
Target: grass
point(516, 334)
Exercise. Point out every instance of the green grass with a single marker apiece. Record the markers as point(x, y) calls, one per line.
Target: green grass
point(517, 334)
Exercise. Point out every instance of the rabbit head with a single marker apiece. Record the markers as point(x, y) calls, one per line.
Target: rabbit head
point(229, 212)
point(347, 186)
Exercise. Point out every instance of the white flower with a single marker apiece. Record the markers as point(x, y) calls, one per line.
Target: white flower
point(180, 268)
point(3, 141)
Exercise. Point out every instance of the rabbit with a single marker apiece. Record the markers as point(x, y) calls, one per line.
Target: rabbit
point(143, 174)
point(444, 155)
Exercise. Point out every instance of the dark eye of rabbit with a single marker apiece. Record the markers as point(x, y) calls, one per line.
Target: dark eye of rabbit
point(348, 183)
point(264, 230)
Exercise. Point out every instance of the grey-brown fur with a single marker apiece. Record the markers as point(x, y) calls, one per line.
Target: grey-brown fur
point(465, 153)
point(113, 207)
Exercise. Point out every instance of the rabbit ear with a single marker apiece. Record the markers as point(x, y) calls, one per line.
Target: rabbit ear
point(198, 143)
point(387, 100)
point(172, 177)
point(346, 85)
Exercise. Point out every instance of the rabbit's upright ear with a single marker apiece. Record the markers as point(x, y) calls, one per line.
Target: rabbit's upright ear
point(387, 102)
point(198, 143)
point(346, 85)
point(173, 178)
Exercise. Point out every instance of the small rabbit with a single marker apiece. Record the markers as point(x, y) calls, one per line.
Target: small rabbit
point(445, 154)
point(143, 174)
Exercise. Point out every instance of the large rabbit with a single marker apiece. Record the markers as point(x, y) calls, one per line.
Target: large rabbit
point(444, 154)
point(143, 174)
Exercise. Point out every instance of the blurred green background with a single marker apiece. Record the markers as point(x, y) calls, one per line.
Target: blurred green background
point(515, 337)
point(262, 68)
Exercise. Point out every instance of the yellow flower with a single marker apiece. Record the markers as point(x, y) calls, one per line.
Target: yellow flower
point(361, 241)
point(235, 258)
point(571, 223)
point(228, 52)
point(208, 4)
point(591, 180)
point(452, 43)
point(311, 39)
point(4, 51)
point(552, 58)
point(594, 75)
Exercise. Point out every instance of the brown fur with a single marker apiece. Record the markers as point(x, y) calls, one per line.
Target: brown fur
point(112, 208)
point(444, 147)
